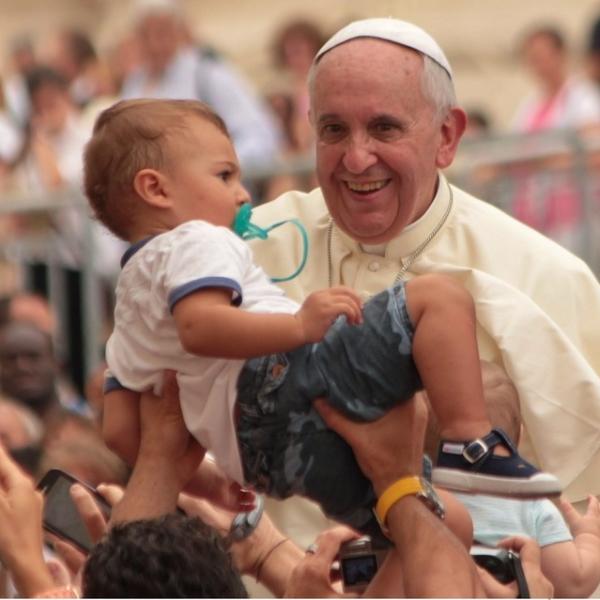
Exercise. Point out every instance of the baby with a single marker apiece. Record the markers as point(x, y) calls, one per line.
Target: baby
point(570, 546)
point(164, 176)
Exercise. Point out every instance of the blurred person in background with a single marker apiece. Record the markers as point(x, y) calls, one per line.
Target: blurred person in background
point(56, 138)
point(53, 162)
point(11, 139)
point(293, 51)
point(33, 308)
point(479, 124)
point(22, 61)
point(51, 166)
point(72, 54)
point(562, 98)
point(78, 449)
point(91, 82)
point(175, 69)
point(123, 57)
point(21, 433)
point(29, 372)
point(593, 52)
point(551, 202)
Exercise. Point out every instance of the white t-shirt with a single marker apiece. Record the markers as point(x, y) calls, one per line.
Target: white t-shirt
point(156, 274)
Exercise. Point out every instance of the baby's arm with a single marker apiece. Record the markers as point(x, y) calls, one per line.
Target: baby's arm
point(121, 423)
point(208, 325)
point(574, 567)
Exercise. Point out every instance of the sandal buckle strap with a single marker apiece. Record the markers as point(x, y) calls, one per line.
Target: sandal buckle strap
point(475, 451)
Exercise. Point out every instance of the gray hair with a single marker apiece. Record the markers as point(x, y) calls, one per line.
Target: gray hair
point(436, 85)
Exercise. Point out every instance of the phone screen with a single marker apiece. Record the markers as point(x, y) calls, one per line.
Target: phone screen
point(61, 516)
point(359, 569)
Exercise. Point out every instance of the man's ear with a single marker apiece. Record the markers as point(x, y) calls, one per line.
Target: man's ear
point(452, 129)
point(150, 186)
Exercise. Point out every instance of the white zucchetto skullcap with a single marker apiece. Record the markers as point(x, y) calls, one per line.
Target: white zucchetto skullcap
point(391, 30)
point(145, 8)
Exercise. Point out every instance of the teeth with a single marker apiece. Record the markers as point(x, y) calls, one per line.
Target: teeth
point(371, 186)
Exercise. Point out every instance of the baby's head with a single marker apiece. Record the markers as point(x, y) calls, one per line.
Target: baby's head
point(154, 164)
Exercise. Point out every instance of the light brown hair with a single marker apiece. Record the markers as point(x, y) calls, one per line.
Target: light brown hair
point(130, 136)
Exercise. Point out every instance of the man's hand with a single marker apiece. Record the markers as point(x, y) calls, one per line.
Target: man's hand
point(167, 459)
point(210, 483)
point(21, 535)
point(322, 308)
point(164, 435)
point(531, 560)
point(93, 519)
point(386, 449)
point(312, 576)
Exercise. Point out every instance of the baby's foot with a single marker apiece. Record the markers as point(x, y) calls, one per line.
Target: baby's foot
point(474, 467)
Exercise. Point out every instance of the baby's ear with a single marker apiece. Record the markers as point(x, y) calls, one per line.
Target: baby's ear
point(150, 186)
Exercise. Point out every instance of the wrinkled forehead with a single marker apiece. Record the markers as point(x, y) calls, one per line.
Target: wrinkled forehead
point(364, 51)
point(363, 65)
point(363, 79)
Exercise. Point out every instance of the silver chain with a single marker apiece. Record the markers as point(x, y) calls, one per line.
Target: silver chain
point(410, 259)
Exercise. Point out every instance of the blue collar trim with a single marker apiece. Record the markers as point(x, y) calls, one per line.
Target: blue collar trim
point(133, 249)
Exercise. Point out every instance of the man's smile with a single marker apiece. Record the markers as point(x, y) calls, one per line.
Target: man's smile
point(367, 187)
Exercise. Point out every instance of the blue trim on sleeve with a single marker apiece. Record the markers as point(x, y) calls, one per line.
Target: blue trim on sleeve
point(206, 282)
point(112, 384)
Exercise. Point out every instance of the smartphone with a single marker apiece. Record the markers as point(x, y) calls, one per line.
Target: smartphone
point(359, 561)
point(61, 516)
point(504, 565)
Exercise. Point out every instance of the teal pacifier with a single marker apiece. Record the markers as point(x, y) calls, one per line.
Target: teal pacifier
point(242, 225)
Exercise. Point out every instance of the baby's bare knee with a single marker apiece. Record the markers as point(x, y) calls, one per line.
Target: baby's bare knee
point(436, 288)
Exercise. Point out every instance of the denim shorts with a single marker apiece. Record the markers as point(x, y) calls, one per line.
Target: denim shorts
point(362, 370)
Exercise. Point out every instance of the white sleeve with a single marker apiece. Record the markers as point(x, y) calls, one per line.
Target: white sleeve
point(204, 256)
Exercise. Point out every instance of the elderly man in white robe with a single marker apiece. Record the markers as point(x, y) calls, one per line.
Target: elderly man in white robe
point(386, 120)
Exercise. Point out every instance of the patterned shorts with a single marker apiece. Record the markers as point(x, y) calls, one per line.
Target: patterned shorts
point(362, 370)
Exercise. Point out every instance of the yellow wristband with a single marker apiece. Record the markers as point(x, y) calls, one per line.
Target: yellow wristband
point(406, 486)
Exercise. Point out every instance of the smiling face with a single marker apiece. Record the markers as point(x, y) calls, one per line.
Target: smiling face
point(379, 140)
point(204, 176)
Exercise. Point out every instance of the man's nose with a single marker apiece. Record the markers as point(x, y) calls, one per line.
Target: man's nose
point(359, 155)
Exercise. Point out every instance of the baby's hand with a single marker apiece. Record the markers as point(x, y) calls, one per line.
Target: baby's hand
point(587, 523)
point(211, 483)
point(321, 309)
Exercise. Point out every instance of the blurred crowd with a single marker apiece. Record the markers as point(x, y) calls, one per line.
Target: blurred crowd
point(52, 90)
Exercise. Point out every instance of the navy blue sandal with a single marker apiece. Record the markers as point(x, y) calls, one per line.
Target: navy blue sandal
point(473, 467)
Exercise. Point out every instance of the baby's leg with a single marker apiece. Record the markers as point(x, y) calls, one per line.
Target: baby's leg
point(472, 456)
point(121, 423)
point(445, 352)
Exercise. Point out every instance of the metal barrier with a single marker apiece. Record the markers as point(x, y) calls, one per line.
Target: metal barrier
point(551, 180)
point(496, 169)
